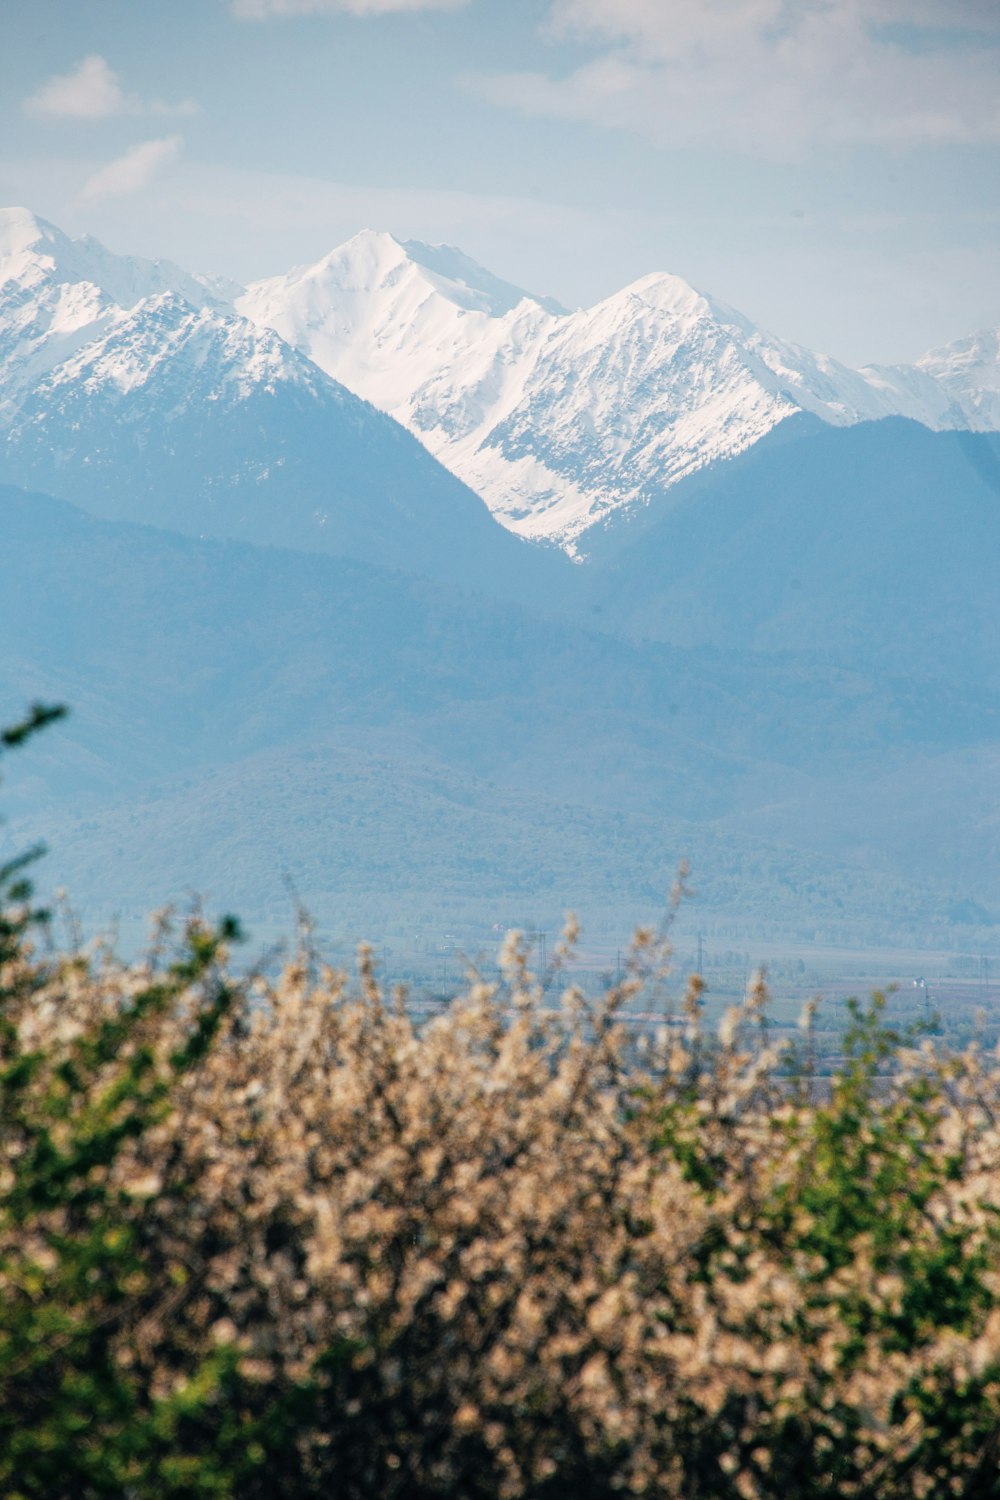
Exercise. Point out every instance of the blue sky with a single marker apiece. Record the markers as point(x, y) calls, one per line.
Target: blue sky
point(832, 167)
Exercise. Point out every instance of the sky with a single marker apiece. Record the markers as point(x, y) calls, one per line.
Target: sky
point(830, 167)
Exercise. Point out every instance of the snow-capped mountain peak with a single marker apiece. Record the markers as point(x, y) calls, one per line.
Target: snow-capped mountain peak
point(24, 235)
point(33, 251)
point(194, 353)
point(386, 317)
point(956, 386)
point(662, 292)
point(57, 295)
point(969, 370)
point(375, 263)
point(373, 257)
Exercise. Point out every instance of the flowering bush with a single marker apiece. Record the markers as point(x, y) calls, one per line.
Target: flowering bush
point(273, 1237)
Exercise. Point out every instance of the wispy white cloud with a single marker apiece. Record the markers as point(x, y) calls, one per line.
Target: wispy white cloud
point(774, 77)
point(93, 91)
point(260, 10)
point(132, 171)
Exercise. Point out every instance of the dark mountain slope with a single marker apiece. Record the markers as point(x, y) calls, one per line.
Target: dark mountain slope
point(876, 545)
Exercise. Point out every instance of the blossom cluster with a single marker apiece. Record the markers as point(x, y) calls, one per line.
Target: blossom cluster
point(503, 1252)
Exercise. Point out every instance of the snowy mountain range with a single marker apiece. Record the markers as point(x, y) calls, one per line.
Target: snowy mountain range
point(557, 420)
point(58, 295)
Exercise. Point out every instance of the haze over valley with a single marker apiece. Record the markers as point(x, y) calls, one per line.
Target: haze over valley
point(452, 605)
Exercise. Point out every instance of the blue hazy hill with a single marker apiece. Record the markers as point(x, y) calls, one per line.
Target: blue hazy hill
point(875, 545)
point(242, 710)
